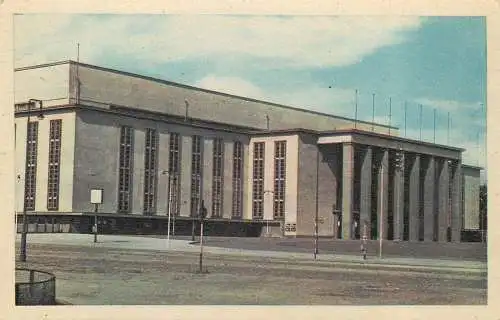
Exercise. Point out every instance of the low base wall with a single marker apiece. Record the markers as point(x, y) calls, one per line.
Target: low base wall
point(144, 225)
point(34, 287)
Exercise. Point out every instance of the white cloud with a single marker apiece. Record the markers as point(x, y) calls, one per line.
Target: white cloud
point(231, 85)
point(448, 105)
point(299, 41)
point(328, 100)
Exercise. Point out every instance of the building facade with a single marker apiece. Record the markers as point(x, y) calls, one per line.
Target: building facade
point(158, 148)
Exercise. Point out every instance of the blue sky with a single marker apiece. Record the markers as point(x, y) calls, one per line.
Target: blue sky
point(312, 62)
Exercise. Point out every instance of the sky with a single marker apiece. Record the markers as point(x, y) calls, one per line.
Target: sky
point(310, 62)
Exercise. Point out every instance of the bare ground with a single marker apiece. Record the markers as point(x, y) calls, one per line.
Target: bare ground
point(97, 276)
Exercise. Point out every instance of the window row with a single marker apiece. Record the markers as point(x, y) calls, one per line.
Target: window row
point(54, 159)
point(174, 167)
point(278, 192)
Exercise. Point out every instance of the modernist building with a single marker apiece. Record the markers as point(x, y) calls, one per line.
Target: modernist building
point(255, 164)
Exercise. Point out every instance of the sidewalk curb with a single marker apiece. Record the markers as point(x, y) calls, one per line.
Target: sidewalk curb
point(363, 265)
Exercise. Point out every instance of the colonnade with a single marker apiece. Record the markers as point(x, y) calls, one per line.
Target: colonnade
point(419, 198)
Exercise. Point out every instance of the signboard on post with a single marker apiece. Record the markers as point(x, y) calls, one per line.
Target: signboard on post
point(96, 196)
point(96, 199)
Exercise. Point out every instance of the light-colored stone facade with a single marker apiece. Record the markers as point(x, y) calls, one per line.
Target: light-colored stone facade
point(336, 177)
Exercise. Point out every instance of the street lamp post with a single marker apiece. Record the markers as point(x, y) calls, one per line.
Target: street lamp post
point(316, 234)
point(169, 202)
point(381, 224)
point(22, 252)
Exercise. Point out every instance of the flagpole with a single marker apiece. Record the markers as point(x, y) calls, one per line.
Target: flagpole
point(420, 122)
point(373, 112)
point(390, 114)
point(356, 111)
point(448, 133)
point(405, 117)
point(434, 125)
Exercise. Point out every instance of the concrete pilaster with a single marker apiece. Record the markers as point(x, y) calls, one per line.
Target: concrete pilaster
point(429, 200)
point(444, 184)
point(228, 179)
point(398, 204)
point(383, 194)
point(269, 180)
point(138, 174)
point(163, 147)
point(414, 192)
point(366, 182)
point(208, 160)
point(456, 216)
point(184, 195)
point(347, 189)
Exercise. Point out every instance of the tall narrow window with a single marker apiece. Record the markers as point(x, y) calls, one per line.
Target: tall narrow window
point(150, 171)
point(196, 174)
point(125, 169)
point(174, 167)
point(258, 180)
point(31, 161)
point(237, 179)
point(279, 179)
point(218, 177)
point(54, 165)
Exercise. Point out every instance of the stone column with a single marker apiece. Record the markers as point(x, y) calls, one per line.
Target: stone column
point(398, 204)
point(414, 192)
point(456, 215)
point(366, 190)
point(443, 201)
point(383, 194)
point(429, 200)
point(347, 189)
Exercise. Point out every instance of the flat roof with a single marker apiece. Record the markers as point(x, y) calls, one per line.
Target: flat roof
point(387, 136)
point(356, 131)
point(135, 75)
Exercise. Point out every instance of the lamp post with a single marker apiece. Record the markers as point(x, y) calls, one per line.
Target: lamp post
point(381, 224)
point(316, 235)
point(22, 252)
point(202, 216)
point(169, 203)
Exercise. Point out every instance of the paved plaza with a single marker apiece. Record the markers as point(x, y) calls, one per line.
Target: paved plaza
point(145, 270)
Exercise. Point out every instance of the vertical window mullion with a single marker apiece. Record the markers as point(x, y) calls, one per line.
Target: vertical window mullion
point(258, 180)
point(54, 164)
point(125, 169)
point(279, 179)
point(31, 165)
point(150, 172)
point(174, 168)
point(218, 152)
point(195, 174)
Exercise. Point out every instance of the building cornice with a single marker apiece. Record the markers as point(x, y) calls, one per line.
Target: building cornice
point(176, 84)
point(387, 136)
point(146, 115)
